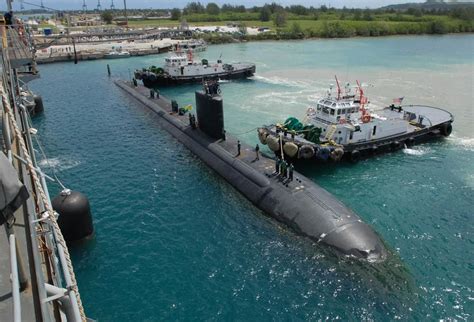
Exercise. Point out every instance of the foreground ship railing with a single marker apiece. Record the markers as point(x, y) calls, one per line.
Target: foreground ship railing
point(43, 283)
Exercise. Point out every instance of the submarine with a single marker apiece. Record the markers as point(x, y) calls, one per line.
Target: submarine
point(301, 204)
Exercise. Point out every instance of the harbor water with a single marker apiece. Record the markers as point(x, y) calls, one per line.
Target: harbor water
point(175, 242)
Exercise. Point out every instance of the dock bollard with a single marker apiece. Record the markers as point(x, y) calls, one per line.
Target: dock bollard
point(108, 70)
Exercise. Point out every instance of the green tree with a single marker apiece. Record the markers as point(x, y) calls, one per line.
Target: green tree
point(280, 18)
point(107, 17)
point(175, 14)
point(296, 28)
point(265, 13)
point(213, 9)
point(194, 7)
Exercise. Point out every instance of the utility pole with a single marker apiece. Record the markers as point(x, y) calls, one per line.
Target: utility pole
point(125, 12)
point(9, 5)
point(84, 6)
point(112, 6)
point(99, 7)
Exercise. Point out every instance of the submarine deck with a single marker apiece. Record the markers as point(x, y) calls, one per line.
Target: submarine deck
point(265, 165)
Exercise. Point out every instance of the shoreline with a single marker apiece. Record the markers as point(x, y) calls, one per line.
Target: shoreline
point(95, 51)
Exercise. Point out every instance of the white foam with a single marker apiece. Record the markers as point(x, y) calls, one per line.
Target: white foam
point(275, 80)
point(58, 164)
point(418, 151)
point(465, 143)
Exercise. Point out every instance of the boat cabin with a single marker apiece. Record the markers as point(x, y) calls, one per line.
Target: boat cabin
point(173, 61)
point(333, 111)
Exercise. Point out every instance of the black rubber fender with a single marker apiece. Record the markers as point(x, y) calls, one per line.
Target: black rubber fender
point(355, 156)
point(395, 145)
point(410, 142)
point(39, 107)
point(446, 129)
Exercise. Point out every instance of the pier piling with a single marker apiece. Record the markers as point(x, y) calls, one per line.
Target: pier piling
point(108, 70)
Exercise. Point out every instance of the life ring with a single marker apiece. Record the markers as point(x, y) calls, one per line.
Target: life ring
point(366, 118)
point(310, 110)
point(446, 129)
point(355, 156)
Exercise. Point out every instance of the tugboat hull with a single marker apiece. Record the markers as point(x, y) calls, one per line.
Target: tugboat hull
point(439, 125)
point(153, 80)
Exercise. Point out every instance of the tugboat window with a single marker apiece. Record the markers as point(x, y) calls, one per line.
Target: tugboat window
point(338, 112)
point(374, 130)
point(332, 111)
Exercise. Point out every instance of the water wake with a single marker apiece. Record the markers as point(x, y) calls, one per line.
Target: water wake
point(275, 80)
point(465, 143)
point(58, 164)
point(418, 151)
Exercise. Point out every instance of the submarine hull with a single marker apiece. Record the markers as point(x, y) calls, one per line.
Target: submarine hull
point(302, 205)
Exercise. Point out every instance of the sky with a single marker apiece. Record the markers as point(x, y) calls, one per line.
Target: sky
point(91, 4)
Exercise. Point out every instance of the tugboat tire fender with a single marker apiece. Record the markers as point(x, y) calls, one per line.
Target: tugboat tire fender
point(446, 129)
point(337, 154)
point(395, 145)
point(262, 136)
point(355, 156)
point(290, 149)
point(409, 142)
point(273, 143)
point(324, 153)
point(306, 152)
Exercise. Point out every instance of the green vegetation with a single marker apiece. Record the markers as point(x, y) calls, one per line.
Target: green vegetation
point(297, 22)
point(107, 16)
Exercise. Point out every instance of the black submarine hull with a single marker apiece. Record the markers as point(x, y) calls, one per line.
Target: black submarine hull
point(153, 80)
point(304, 206)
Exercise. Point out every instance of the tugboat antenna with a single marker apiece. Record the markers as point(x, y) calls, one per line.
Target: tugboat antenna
point(338, 89)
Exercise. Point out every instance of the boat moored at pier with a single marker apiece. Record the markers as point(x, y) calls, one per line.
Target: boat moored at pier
point(344, 126)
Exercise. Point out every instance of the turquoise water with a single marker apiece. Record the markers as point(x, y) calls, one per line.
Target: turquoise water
point(175, 242)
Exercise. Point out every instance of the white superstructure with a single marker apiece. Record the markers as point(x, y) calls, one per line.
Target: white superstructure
point(347, 118)
point(178, 65)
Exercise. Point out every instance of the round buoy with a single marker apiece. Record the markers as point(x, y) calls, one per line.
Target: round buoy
point(355, 156)
point(446, 129)
point(75, 219)
point(39, 107)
